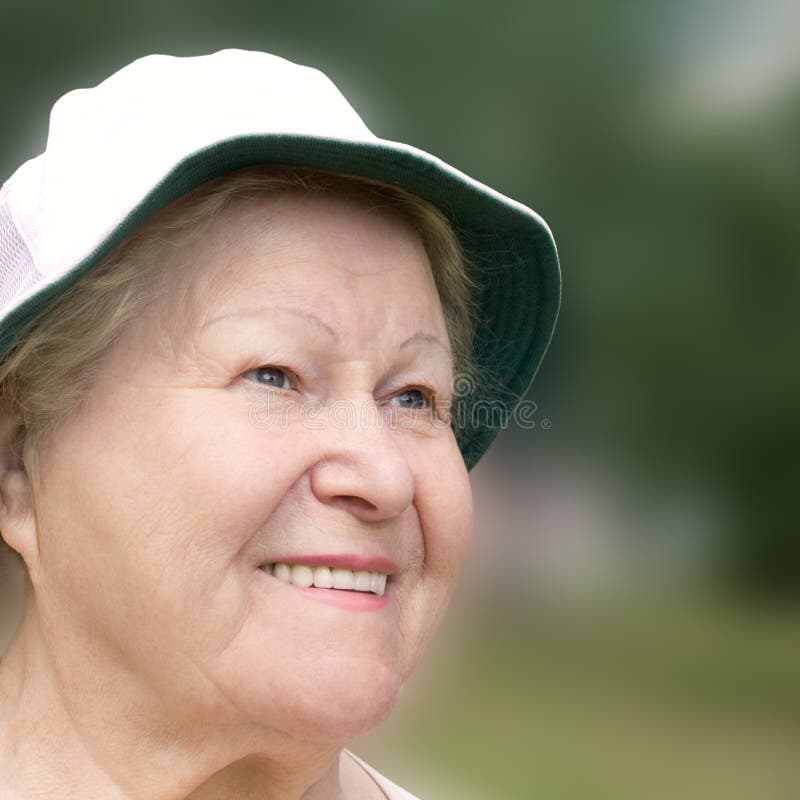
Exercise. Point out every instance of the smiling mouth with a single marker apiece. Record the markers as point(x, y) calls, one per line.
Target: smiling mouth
point(324, 577)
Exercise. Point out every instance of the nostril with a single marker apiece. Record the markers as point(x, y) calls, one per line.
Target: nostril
point(351, 500)
point(361, 483)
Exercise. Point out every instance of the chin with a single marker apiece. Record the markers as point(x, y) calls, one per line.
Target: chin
point(328, 703)
point(342, 723)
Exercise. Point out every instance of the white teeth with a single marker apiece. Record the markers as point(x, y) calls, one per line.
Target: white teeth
point(328, 578)
point(363, 582)
point(302, 575)
point(378, 583)
point(343, 579)
point(323, 578)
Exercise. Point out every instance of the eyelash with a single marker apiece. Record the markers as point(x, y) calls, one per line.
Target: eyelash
point(428, 394)
point(427, 397)
point(288, 374)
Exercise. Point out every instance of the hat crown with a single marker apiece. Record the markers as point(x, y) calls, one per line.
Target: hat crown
point(221, 93)
point(109, 145)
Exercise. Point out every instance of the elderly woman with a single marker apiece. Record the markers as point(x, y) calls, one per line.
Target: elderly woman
point(249, 353)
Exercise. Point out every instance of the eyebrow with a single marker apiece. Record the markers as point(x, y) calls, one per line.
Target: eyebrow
point(421, 336)
point(262, 311)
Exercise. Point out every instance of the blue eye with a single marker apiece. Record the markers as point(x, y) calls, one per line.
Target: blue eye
point(272, 376)
point(412, 398)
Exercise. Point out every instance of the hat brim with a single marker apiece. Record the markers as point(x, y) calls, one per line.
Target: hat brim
point(508, 248)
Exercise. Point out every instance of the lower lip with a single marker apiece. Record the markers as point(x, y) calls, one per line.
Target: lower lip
point(341, 598)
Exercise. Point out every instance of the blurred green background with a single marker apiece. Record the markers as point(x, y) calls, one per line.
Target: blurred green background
point(627, 627)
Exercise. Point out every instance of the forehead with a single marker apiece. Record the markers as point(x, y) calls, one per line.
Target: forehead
point(328, 250)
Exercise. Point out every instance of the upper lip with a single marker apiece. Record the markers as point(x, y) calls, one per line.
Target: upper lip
point(350, 561)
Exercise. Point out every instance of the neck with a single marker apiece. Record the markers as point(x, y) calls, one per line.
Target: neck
point(114, 740)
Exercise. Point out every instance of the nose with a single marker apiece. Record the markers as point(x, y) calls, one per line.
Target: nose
point(362, 469)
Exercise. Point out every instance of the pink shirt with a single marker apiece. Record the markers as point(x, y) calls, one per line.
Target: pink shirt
point(391, 790)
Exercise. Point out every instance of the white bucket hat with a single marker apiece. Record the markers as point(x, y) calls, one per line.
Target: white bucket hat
point(123, 150)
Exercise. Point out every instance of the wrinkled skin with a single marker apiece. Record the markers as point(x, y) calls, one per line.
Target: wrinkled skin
point(155, 656)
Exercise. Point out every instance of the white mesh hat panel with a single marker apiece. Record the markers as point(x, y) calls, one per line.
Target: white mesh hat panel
point(18, 273)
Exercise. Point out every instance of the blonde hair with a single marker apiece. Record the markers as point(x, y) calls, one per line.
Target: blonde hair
point(50, 368)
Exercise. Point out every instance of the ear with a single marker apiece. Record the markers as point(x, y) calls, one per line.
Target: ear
point(17, 517)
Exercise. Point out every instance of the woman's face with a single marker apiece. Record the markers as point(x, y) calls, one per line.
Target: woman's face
point(190, 468)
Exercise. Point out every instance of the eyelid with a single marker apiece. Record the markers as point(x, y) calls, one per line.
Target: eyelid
point(426, 392)
point(290, 376)
point(434, 401)
point(436, 411)
point(435, 404)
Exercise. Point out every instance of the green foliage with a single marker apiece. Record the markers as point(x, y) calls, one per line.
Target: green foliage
point(622, 701)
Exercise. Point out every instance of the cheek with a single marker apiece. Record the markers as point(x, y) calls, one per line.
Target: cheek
point(223, 474)
point(444, 506)
point(157, 526)
point(444, 501)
